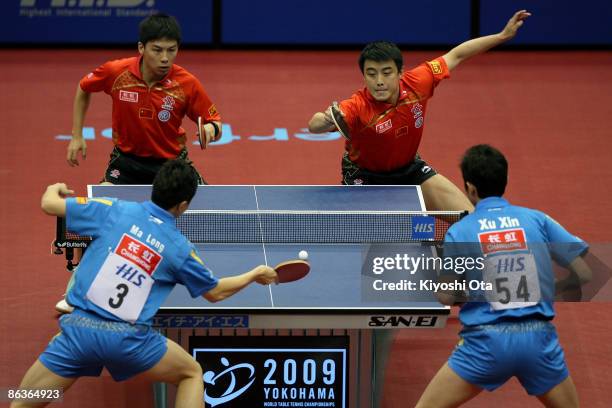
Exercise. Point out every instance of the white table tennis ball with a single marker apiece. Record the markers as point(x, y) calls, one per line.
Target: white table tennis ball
point(303, 255)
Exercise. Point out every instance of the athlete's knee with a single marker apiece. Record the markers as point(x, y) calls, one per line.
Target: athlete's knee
point(192, 370)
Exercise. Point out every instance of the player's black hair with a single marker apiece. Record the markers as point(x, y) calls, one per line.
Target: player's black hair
point(380, 51)
point(176, 181)
point(158, 26)
point(487, 169)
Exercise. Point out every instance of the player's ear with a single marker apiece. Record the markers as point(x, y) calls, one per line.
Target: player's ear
point(182, 206)
point(470, 190)
point(141, 48)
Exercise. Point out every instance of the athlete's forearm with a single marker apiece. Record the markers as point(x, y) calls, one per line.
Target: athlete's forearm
point(471, 48)
point(81, 104)
point(320, 123)
point(229, 286)
point(479, 45)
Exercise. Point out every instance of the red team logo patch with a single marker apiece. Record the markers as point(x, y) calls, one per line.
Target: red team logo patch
point(138, 253)
point(128, 96)
point(383, 127)
point(502, 241)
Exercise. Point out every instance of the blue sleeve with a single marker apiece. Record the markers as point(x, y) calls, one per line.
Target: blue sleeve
point(564, 247)
point(196, 277)
point(85, 216)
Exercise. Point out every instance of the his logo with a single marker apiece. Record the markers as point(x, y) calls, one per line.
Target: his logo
point(383, 127)
point(163, 116)
point(128, 96)
point(425, 169)
point(423, 227)
point(231, 393)
point(115, 173)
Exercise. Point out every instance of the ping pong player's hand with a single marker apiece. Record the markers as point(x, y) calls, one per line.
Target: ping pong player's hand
point(266, 275)
point(76, 144)
point(328, 116)
point(61, 189)
point(208, 131)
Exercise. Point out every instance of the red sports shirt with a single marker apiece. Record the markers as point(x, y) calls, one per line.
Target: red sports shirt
point(147, 121)
point(385, 137)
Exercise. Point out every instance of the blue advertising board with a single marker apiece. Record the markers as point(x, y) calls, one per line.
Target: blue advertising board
point(98, 21)
point(344, 22)
point(553, 22)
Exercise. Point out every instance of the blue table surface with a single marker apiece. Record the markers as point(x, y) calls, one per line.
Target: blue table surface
point(335, 282)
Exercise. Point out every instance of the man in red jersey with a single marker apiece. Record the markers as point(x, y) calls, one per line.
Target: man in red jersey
point(151, 96)
point(386, 118)
point(385, 121)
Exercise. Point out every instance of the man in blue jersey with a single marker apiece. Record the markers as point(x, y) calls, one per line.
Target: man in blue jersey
point(506, 327)
point(136, 257)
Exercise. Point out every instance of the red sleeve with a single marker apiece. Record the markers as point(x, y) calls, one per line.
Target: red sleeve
point(98, 79)
point(352, 108)
point(427, 76)
point(201, 105)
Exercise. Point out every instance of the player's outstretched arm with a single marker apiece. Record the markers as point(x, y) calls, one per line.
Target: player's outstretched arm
point(481, 44)
point(227, 287)
point(81, 103)
point(321, 122)
point(53, 201)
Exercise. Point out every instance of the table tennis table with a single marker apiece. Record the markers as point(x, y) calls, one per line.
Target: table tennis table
point(328, 301)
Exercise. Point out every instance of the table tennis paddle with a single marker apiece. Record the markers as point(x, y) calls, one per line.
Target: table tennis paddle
point(338, 118)
point(199, 133)
point(290, 271)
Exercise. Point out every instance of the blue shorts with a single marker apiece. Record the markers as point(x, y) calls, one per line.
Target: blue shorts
point(489, 355)
point(87, 343)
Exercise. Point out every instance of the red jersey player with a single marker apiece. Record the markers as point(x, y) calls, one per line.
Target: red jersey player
point(387, 116)
point(151, 96)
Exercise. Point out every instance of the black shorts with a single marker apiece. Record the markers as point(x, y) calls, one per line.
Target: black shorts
point(414, 173)
point(125, 168)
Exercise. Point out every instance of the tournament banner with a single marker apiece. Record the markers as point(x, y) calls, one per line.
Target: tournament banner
point(98, 21)
point(273, 371)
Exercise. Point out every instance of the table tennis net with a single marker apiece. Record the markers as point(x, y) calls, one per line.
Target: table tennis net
point(314, 226)
point(321, 227)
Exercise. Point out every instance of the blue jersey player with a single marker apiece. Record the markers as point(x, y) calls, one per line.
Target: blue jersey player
point(507, 332)
point(135, 259)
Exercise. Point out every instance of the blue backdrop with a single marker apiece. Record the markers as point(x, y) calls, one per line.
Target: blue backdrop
point(305, 22)
point(344, 22)
point(97, 21)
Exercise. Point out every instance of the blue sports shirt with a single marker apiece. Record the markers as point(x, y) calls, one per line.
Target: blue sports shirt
point(136, 257)
point(514, 242)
